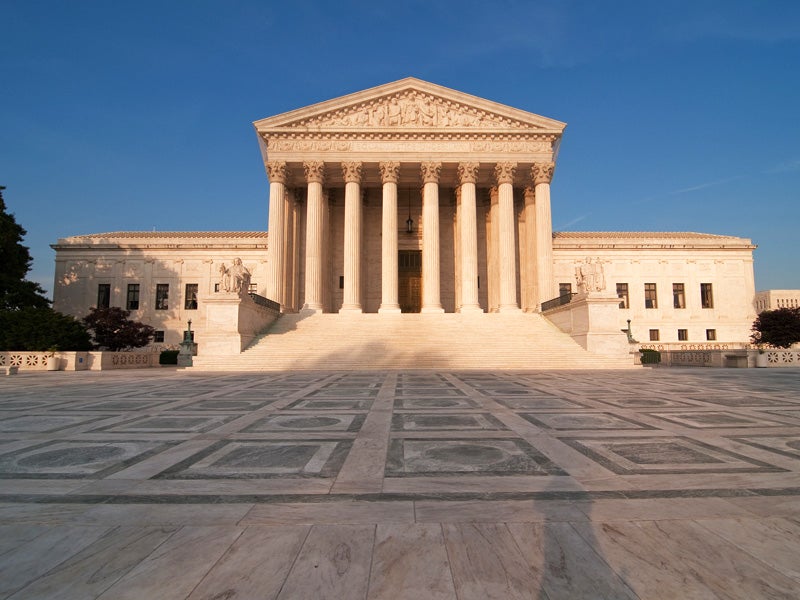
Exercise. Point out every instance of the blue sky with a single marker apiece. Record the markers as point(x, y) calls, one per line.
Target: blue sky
point(682, 115)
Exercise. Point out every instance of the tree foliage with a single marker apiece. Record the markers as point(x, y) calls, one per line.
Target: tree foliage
point(34, 329)
point(15, 262)
point(779, 328)
point(113, 330)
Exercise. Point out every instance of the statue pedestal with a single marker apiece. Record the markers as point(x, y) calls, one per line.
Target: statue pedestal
point(232, 323)
point(592, 320)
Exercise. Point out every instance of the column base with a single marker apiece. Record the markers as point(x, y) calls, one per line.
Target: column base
point(350, 310)
point(389, 309)
point(432, 309)
point(509, 308)
point(472, 309)
point(311, 310)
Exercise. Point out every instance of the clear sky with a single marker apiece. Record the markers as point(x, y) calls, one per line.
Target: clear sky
point(682, 115)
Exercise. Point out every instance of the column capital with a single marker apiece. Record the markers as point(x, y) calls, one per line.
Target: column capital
point(351, 171)
point(430, 171)
point(277, 171)
point(542, 172)
point(504, 172)
point(468, 172)
point(315, 171)
point(390, 171)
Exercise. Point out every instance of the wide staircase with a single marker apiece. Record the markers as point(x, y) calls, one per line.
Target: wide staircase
point(516, 341)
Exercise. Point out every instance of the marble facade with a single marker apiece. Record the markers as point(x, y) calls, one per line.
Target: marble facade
point(412, 197)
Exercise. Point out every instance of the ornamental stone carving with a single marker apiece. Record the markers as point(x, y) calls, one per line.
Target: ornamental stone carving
point(390, 172)
point(542, 172)
point(351, 171)
point(277, 171)
point(504, 172)
point(430, 172)
point(315, 171)
point(468, 172)
point(410, 109)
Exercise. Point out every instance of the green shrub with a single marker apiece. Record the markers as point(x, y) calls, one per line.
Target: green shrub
point(650, 356)
point(168, 357)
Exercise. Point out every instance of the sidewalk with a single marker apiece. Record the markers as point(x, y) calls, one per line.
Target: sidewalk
point(676, 483)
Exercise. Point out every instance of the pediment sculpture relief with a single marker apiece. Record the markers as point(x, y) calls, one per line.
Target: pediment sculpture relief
point(409, 109)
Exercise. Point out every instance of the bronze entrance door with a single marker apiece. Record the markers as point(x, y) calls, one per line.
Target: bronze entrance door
point(409, 280)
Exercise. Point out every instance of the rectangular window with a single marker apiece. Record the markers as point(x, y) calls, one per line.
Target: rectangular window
point(190, 298)
point(678, 296)
point(132, 303)
point(654, 335)
point(622, 294)
point(103, 295)
point(683, 335)
point(253, 289)
point(162, 296)
point(564, 289)
point(711, 335)
point(158, 336)
point(706, 295)
point(341, 282)
point(650, 299)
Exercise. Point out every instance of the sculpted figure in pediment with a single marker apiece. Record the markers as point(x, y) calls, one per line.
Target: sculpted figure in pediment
point(408, 110)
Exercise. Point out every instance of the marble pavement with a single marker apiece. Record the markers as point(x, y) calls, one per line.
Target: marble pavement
point(681, 483)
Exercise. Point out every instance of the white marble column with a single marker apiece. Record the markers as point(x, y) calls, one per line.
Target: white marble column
point(542, 174)
point(315, 173)
point(528, 266)
point(468, 235)
point(352, 237)
point(390, 172)
point(431, 291)
point(504, 173)
point(276, 258)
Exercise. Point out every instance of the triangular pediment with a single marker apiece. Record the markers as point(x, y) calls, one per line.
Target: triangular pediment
point(409, 104)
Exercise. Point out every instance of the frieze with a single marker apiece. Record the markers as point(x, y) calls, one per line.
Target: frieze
point(435, 145)
point(410, 109)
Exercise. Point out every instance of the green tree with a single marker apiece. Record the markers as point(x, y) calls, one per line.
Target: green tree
point(32, 328)
point(15, 262)
point(113, 330)
point(779, 328)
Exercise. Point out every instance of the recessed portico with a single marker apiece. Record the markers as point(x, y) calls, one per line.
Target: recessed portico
point(470, 177)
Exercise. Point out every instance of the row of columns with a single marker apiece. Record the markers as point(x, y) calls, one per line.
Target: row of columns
point(539, 249)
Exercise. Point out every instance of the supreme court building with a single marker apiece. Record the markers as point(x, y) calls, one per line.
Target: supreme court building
point(415, 198)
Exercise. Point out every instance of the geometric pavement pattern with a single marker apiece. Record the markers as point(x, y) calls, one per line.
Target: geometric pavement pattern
point(164, 483)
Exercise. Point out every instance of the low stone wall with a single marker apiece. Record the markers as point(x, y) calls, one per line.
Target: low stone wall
point(782, 358)
point(80, 361)
point(736, 358)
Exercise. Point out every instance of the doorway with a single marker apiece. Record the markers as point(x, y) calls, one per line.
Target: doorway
point(409, 280)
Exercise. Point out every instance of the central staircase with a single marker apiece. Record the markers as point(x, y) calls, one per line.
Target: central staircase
point(450, 341)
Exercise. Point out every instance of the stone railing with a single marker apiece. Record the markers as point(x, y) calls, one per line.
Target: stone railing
point(783, 358)
point(720, 357)
point(556, 302)
point(79, 361)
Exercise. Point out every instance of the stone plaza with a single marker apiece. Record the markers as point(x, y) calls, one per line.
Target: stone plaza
point(650, 483)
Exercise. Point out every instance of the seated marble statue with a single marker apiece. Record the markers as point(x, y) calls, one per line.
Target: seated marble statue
point(239, 277)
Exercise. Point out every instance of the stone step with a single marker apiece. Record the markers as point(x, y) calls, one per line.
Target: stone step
point(412, 341)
